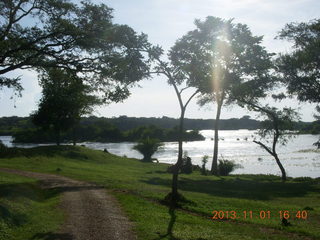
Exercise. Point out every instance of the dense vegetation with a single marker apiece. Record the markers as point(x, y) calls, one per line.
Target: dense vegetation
point(140, 189)
point(96, 129)
point(12, 125)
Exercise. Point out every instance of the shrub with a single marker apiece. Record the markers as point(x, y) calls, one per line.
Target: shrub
point(147, 147)
point(3, 149)
point(186, 165)
point(225, 167)
point(204, 162)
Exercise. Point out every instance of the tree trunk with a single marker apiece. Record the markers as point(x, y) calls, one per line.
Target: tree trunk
point(58, 137)
point(214, 166)
point(176, 168)
point(283, 172)
point(74, 136)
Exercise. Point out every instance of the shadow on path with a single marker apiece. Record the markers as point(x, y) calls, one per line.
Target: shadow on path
point(172, 221)
point(240, 188)
point(52, 236)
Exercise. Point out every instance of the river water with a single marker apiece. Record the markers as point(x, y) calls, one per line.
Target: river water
point(298, 156)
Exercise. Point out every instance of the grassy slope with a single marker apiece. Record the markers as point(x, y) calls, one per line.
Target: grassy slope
point(140, 187)
point(26, 211)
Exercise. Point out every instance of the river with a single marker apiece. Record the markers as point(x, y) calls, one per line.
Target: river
point(299, 156)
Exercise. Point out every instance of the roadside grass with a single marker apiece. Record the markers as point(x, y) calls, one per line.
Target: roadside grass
point(26, 211)
point(140, 187)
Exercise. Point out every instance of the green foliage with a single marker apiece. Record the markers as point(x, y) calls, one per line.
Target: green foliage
point(147, 147)
point(76, 36)
point(186, 166)
point(100, 130)
point(204, 162)
point(228, 56)
point(277, 122)
point(225, 167)
point(3, 149)
point(301, 68)
point(164, 135)
point(223, 61)
point(10, 125)
point(64, 100)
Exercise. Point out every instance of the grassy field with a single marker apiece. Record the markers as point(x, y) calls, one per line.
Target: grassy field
point(140, 187)
point(26, 211)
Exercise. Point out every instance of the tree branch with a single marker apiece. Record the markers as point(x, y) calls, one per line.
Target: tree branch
point(264, 146)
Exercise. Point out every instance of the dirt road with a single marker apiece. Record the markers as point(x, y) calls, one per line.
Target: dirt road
point(92, 214)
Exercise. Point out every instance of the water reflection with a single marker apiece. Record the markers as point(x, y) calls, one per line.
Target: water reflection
point(233, 145)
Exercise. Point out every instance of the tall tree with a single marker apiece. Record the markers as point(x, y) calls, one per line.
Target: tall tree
point(301, 68)
point(65, 99)
point(81, 37)
point(181, 84)
point(220, 56)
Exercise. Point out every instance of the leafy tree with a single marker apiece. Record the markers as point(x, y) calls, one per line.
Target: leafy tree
point(81, 37)
point(204, 161)
point(65, 100)
point(218, 57)
point(301, 68)
point(147, 147)
point(180, 84)
point(276, 127)
point(186, 165)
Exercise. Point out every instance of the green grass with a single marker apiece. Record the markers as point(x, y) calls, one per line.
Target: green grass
point(26, 211)
point(140, 187)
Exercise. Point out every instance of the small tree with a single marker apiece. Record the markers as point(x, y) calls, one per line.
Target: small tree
point(186, 166)
point(147, 147)
point(203, 166)
point(65, 99)
point(276, 127)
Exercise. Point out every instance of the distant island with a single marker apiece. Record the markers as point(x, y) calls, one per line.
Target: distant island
point(125, 128)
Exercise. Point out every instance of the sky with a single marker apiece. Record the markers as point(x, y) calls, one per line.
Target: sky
point(165, 21)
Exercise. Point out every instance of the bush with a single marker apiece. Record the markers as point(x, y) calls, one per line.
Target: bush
point(4, 150)
point(7, 151)
point(186, 165)
point(204, 162)
point(147, 147)
point(225, 167)
point(317, 144)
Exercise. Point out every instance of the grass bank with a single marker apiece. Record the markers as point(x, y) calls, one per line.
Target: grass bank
point(27, 212)
point(140, 187)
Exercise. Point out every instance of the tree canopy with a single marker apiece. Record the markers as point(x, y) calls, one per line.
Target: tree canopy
point(65, 99)
point(79, 37)
point(219, 57)
point(301, 67)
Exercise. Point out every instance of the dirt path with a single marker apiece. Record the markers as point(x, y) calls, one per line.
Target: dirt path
point(92, 214)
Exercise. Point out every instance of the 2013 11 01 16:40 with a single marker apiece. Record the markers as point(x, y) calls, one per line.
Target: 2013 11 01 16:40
point(263, 214)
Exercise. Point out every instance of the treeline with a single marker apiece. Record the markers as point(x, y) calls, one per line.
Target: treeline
point(126, 128)
point(12, 125)
point(126, 123)
point(90, 129)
